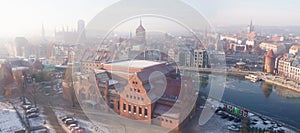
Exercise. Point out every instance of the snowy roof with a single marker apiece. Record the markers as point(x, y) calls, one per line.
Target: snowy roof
point(20, 68)
point(136, 63)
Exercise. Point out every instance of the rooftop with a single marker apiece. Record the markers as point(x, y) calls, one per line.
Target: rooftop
point(136, 63)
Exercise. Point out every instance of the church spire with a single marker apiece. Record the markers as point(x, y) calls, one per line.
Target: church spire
point(43, 31)
point(141, 23)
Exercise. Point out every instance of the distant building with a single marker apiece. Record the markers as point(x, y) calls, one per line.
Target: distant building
point(238, 47)
point(250, 28)
point(92, 59)
point(289, 67)
point(276, 65)
point(295, 49)
point(4, 54)
point(21, 43)
point(269, 62)
point(66, 35)
point(153, 55)
point(141, 32)
point(186, 58)
point(139, 41)
point(200, 58)
point(172, 55)
point(276, 47)
point(277, 38)
point(81, 31)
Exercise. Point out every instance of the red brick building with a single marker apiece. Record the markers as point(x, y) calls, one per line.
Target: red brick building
point(152, 92)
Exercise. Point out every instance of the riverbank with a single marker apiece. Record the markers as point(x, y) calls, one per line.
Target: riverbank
point(232, 71)
point(279, 81)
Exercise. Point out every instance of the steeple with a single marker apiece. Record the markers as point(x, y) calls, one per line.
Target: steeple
point(43, 31)
point(141, 23)
point(250, 27)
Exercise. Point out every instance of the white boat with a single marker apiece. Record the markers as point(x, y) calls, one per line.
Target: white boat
point(253, 78)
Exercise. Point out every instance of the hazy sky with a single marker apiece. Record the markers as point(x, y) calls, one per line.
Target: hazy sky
point(25, 17)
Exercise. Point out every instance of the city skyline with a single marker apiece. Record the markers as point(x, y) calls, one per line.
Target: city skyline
point(26, 18)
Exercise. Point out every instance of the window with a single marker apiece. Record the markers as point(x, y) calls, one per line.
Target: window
point(118, 105)
point(138, 90)
point(130, 89)
point(138, 98)
point(124, 107)
point(134, 109)
point(171, 121)
point(146, 112)
point(127, 95)
point(134, 89)
point(142, 99)
point(134, 97)
point(140, 110)
point(129, 108)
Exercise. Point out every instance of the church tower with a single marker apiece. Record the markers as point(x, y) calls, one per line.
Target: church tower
point(250, 28)
point(141, 32)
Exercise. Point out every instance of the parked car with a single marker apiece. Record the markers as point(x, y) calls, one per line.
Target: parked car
point(68, 119)
point(236, 120)
point(224, 116)
point(230, 118)
point(72, 126)
point(78, 130)
point(233, 128)
point(69, 122)
point(33, 115)
point(26, 106)
point(220, 112)
point(32, 110)
point(63, 119)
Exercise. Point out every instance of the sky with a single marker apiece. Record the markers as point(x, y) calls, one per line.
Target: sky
point(25, 17)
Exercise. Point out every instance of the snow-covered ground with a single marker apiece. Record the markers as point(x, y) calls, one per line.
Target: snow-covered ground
point(89, 126)
point(34, 122)
point(9, 121)
point(266, 124)
point(262, 123)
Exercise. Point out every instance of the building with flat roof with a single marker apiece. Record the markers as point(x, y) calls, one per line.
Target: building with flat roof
point(295, 49)
point(201, 58)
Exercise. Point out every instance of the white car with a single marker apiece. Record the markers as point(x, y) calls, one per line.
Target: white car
point(233, 128)
point(72, 126)
point(27, 107)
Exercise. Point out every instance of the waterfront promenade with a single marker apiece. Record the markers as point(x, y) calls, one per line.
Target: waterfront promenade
point(280, 81)
point(276, 80)
point(218, 71)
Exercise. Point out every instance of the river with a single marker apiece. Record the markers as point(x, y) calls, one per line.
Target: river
point(269, 100)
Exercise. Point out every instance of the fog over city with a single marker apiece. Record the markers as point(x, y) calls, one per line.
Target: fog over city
point(149, 66)
point(25, 18)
